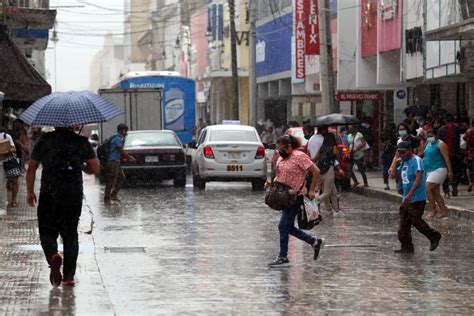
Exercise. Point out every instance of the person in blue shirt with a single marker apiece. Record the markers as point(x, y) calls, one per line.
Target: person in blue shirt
point(114, 173)
point(413, 178)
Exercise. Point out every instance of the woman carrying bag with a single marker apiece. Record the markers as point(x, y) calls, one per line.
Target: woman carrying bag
point(291, 170)
point(11, 168)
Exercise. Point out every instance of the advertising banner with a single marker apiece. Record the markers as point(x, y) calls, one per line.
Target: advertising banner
point(306, 34)
point(301, 7)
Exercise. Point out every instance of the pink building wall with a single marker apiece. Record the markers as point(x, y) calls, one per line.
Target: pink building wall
point(390, 31)
point(368, 28)
point(199, 44)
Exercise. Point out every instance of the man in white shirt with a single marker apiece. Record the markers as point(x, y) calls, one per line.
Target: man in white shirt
point(4, 157)
point(326, 165)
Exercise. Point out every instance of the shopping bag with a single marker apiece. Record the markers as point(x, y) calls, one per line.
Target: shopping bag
point(309, 216)
point(311, 208)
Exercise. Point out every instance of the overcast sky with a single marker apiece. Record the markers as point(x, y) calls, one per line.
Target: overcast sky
point(78, 30)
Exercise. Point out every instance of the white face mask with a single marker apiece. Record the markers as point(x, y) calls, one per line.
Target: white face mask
point(431, 140)
point(403, 133)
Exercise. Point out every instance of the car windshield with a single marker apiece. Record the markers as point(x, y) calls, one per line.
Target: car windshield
point(148, 139)
point(233, 136)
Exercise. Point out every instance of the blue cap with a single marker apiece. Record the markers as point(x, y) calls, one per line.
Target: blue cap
point(403, 146)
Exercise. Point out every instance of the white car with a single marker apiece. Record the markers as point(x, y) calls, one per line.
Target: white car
point(229, 153)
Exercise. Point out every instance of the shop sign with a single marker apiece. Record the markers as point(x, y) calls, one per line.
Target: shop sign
point(312, 28)
point(389, 9)
point(401, 94)
point(300, 37)
point(306, 34)
point(357, 96)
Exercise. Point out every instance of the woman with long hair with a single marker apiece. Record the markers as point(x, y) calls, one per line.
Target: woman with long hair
point(291, 169)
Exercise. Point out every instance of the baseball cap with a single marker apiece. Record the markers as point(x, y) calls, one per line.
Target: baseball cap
point(403, 146)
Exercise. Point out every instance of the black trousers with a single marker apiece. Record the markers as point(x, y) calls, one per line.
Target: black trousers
point(59, 216)
point(411, 215)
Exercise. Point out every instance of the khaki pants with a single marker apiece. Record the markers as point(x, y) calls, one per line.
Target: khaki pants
point(114, 180)
point(329, 189)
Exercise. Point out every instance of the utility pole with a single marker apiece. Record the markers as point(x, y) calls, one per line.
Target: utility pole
point(327, 73)
point(253, 98)
point(233, 51)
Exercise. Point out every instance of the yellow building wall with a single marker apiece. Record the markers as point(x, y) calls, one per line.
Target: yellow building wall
point(243, 48)
point(244, 100)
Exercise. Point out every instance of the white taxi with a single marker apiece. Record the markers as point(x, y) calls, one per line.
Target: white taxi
point(229, 153)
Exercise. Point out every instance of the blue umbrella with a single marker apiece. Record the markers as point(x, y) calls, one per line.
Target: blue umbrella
point(67, 109)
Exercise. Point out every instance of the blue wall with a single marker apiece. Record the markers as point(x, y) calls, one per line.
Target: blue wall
point(277, 37)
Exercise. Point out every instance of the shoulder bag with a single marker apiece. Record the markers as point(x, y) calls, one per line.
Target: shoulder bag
point(281, 196)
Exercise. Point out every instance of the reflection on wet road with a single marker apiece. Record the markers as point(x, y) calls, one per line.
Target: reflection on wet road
point(166, 250)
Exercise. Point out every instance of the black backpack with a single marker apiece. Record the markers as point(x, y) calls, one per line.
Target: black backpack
point(103, 150)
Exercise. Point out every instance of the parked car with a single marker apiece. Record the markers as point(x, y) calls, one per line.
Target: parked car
point(344, 155)
point(159, 155)
point(229, 153)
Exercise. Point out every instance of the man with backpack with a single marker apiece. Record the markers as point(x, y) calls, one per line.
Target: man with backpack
point(113, 151)
point(64, 155)
point(323, 150)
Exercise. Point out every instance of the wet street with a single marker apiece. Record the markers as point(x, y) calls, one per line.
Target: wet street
point(183, 251)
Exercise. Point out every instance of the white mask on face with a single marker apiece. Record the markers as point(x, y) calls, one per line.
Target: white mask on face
point(431, 140)
point(403, 133)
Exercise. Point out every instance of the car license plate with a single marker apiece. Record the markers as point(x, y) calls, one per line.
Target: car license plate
point(235, 155)
point(151, 159)
point(235, 168)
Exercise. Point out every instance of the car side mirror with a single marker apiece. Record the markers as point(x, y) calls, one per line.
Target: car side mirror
point(270, 146)
point(192, 144)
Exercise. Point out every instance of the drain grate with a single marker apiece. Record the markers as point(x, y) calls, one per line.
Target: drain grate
point(124, 249)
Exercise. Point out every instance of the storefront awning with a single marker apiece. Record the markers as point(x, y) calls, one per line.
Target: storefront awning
point(463, 30)
point(19, 80)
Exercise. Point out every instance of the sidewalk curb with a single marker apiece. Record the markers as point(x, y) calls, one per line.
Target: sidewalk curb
point(454, 212)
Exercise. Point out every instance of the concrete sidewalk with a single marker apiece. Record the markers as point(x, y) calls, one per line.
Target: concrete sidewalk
point(461, 207)
point(25, 288)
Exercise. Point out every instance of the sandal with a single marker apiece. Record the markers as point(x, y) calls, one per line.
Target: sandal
point(469, 188)
point(13, 204)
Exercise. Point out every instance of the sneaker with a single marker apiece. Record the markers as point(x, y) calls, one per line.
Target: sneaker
point(318, 245)
point(435, 241)
point(280, 262)
point(387, 188)
point(55, 276)
point(69, 282)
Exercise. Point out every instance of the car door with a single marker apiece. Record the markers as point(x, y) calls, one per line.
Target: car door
point(197, 158)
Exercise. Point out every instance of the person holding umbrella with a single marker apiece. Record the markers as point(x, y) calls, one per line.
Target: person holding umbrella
point(64, 155)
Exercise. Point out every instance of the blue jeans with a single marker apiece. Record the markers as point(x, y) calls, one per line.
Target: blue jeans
point(360, 166)
point(287, 228)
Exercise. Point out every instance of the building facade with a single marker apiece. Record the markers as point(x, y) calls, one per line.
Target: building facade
point(218, 77)
point(29, 22)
